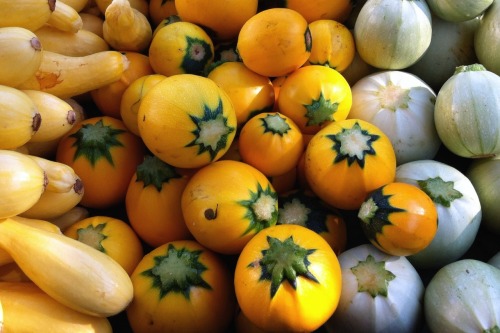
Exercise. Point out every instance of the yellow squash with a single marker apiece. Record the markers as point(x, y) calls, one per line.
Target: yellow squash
point(65, 18)
point(75, 44)
point(66, 76)
point(22, 182)
point(21, 55)
point(19, 118)
point(58, 115)
point(126, 28)
point(29, 14)
point(26, 308)
point(104, 290)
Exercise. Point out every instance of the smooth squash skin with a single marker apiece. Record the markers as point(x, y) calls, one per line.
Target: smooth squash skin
point(226, 203)
point(223, 20)
point(271, 142)
point(314, 96)
point(458, 11)
point(21, 55)
point(287, 279)
point(104, 290)
point(154, 186)
point(378, 290)
point(487, 40)
point(199, 126)
point(22, 182)
point(180, 48)
point(27, 308)
point(399, 219)
point(250, 92)
point(463, 297)
point(484, 174)
point(105, 155)
point(466, 112)
point(346, 160)
point(402, 106)
point(393, 34)
point(333, 44)
point(181, 286)
point(458, 205)
point(274, 42)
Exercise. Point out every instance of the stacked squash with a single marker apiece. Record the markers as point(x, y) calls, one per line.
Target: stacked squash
point(194, 165)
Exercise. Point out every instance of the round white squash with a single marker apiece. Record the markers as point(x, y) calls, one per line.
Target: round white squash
point(402, 106)
point(380, 293)
point(463, 296)
point(393, 34)
point(466, 112)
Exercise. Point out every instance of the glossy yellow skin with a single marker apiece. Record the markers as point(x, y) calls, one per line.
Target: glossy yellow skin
point(22, 182)
point(120, 241)
point(19, 118)
point(169, 47)
point(333, 45)
point(146, 212)
point(274, 154)
point(303, 309)
point(304, 87)
point(211, 208)
point(27, 308)
point(274, 42)
point(132, 97)
point(408, 231)
point(250, 92)
point(168, 108)
point(344, 185)
point(105, 183)
point(207, 310)
point(223, 18)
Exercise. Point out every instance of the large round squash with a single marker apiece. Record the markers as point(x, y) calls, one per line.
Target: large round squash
point(393, 34)
point(348, 159)
point(187, 121)
point(466, 112)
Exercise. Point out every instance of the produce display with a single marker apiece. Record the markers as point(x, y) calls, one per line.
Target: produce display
point(249, 166)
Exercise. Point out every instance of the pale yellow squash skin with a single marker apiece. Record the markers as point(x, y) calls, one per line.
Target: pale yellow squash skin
point(104, 290)
point(19, 118)
point(29, 14)
point(26, 308)
point(21, 55)
point(66, 76)
point(22, 182)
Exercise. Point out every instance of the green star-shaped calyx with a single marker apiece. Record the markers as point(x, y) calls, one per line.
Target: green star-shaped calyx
point(353, 144)
point(372, 277)
point(198, 56)
point(92, 236)
point(440, 191)
point(320, 110)
point(261, 208)
point(212, 131)
point(284, 261)
point(153, 171)
point(94, 141)
point(275, 123)
point(374, 213)
point(177, 271)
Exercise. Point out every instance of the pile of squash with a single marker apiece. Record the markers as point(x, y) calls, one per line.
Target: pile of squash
point(249, 166)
